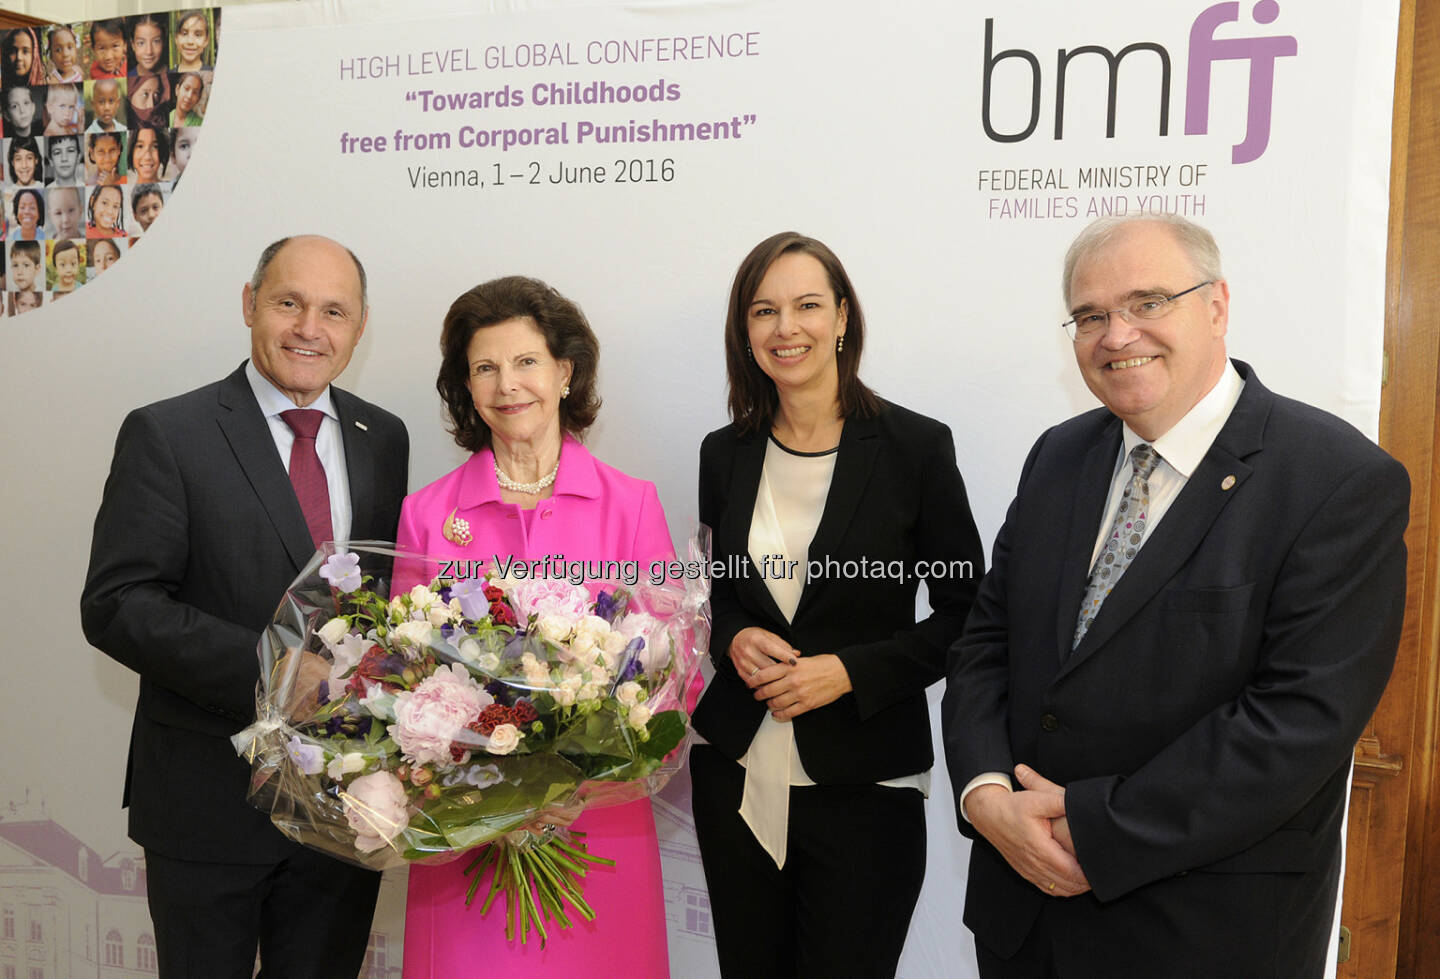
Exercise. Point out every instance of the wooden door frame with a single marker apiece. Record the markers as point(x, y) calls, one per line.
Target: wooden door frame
point(1393, 917)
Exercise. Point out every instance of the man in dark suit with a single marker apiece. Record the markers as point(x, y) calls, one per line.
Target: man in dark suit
point(1193, 609)
point(215, 500)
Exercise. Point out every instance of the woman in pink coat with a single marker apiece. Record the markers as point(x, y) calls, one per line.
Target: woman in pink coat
point(518, 381)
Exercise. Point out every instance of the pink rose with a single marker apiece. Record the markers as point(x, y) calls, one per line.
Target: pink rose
point(550, 596)
point(433, 715)
point(377, 810)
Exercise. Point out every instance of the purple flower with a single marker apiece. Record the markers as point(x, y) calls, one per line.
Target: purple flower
point(630, 663)
point(473, 603)
point(606, 606)
point(342, 571)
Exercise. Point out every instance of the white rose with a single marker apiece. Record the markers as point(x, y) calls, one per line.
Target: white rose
point(421, 597)
point(469, 650)
point(412, 634)
point(594, 627)
point(639, 716)
point(581, 649)
point(555, 628)
point(628, 693)
point(437, 615)
point(504, 739)
point(397, 610)
point(331, 632)
point(489, 662)
point(346, 764)
point(614, 644)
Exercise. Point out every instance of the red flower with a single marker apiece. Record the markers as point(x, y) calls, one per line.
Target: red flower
point(490, 718)
point(502, 614)
point(374, 665)
point(493, 594)
point(523, 713)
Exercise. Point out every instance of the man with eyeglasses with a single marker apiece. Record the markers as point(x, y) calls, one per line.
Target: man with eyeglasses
point(1193, 609)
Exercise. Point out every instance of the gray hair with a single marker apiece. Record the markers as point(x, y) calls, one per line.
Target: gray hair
point(1198, 244)
point(271, 250)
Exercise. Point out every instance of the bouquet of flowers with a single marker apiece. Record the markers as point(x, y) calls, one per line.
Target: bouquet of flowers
point(462, 713)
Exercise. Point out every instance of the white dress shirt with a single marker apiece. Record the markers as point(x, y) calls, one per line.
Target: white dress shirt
point(329, 445)
point(1180, 450)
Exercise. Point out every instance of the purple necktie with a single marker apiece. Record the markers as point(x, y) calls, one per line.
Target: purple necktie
point(306, 473)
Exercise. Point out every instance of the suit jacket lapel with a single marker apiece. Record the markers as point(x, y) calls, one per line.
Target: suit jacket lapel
point(1087, 509)
point(360, 463)
point(248, 435)
point(854, 464)
point(1189, 518)
point(744, 485)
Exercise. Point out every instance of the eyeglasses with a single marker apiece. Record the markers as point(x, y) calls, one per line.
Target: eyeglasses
point(1094, 322)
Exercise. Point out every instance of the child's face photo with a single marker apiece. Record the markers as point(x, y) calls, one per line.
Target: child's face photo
point(64, 159)
point(27, 300)
point(19, 55)
point(191, 39)
point(64, 53)
point(184, 144)
point(107, 208)
point(67, 266)
point(64, 204)
point(107, 253)
point(23, 167)
point(105, 154)
point(22, 271)
point(62, 108)
point(149, 46)
point(19, 108)
point(106, 101)
point(147, 209)
point(109, 50)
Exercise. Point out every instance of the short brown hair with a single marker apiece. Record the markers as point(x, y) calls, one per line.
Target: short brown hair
point(567, 337)
point(753, 399)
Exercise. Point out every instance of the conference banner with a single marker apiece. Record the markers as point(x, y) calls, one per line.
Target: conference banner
point(630, 155)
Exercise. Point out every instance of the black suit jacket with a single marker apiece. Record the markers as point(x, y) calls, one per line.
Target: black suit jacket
point(896, 496)
point(198, 535)
point(1204, 727)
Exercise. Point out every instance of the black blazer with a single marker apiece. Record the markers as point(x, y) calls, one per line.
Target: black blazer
point(896, 496)
point(1203, 729)
point(198, 536)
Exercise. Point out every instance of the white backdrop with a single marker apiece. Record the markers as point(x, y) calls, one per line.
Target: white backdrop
point(862, 128)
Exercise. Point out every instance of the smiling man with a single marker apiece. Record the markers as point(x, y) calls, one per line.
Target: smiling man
point(1193, 609)
point(215, 501)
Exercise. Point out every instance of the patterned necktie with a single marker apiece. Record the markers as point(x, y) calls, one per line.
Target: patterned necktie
point(1124, 540)
point(306, 473)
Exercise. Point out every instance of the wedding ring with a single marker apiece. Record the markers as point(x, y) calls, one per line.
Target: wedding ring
point(1052, 885)
point(753, 672)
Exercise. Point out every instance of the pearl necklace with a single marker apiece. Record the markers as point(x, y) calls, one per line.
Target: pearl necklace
point(541, 484)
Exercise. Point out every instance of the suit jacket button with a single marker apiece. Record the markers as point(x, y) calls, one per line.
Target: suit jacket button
point(543, 516)
point(1049, 722)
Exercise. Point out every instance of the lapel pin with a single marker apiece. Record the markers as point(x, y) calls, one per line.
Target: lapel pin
point(362, 426)
point(1227, 482)
point(457, 530)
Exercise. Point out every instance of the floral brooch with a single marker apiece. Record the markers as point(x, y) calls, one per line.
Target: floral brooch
point(457, 530)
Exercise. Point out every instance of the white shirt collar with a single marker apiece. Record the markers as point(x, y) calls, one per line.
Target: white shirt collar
point(1191, 437)
point(272, 401)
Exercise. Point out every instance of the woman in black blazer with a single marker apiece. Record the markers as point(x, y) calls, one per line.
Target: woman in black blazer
point(809, 796)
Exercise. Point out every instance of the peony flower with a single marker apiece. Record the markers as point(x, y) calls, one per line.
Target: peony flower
point(347, 764)
point(342, 571)
point(309, 758)
point(376, 809)
point(629, 693)
point(331, 632)
point(639, 716)
point(549, 596)
point(503, 739)
point(430, 717)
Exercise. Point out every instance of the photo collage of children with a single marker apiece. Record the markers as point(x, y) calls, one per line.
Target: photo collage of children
point(98, 121)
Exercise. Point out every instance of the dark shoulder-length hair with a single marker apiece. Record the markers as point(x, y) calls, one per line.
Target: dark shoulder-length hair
point(753, 398)
point(567, 337)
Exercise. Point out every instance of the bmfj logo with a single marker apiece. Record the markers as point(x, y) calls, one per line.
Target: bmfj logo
point(1261, 52)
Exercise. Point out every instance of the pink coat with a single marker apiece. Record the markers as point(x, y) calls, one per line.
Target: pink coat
point(594, 513)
